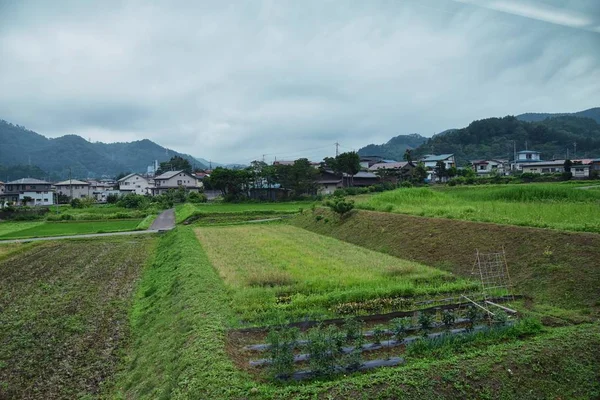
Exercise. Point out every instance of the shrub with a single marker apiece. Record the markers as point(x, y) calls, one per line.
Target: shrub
point(406, 184)
point(340, 205)
point(399, 327)
point(195, 197)
point(76, 203)
point(112, 198)
point(322, 350)
point(448, 318)
point(133, 200)
point(378, 334)
point(425, 320)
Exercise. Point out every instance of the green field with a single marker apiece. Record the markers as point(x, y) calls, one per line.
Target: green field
point(555, 206)
point(64, 319)
point(184, 211)
point(18, 230)
point(261, 264)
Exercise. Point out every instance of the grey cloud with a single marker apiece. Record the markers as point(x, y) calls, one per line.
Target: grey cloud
point(234, 80)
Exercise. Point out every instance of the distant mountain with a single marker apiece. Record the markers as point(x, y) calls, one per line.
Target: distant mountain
point(20, 146)
point(394, 149)
point(593, 113)
point(497, 137)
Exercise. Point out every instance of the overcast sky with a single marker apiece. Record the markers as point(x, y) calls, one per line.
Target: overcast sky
point(230, 81)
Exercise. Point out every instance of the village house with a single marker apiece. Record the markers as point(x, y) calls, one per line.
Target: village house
point(486, 167)
point(175, 180)
point(133, 183)
point(73, 188)
point(526, 157)
point(580, 168)
point(328, 182)
point(28, 191)
point(101, 190)
point(430, 161)
point(393, 171)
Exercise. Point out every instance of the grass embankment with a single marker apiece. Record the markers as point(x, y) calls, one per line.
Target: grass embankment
point(263, 264)
point(22, 230)
point(178, 350)
point(63, 319)
point(146, 222)
point(187, 210)
point(558, 269)
point(555, 206)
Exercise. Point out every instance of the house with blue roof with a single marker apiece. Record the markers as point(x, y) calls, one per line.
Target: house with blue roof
point(431, 160)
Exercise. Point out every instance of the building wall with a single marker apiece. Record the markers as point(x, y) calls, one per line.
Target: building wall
point(329, 188)
point(134, 184)
point(177, 180)
point(41, 198)
point(79, 191)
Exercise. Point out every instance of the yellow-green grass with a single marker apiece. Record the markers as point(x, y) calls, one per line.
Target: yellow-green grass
point(72, 228)
point(553, 206)
point(96, 212)
point(262, 263)
point(186, 210)
point(179, 350)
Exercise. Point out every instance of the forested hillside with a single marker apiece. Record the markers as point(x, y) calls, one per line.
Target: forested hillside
point(496, 138)
point(20, 146)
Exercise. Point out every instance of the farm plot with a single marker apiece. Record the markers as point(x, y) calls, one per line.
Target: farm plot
point(185, 211)
point(555, 206)
point(278, 273)
point(68, 228)
point(64, 316)
point(7, 228)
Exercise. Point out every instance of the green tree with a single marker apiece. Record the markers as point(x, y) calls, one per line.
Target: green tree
point(176, 163)
point(300, 177)
point(408, 155)
point(419, 173)
point(440, 170)
point(233, 184)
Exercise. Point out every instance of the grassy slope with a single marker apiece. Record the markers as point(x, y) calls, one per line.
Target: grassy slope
point(73, 228)
point(261, 262)
point(558, 269)
point(178, 350)
point(554, 206)
point(64, 311)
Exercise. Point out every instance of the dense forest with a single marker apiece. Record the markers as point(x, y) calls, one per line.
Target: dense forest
point(86, 159)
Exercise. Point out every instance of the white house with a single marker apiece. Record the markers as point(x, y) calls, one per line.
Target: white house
point(175, 180)
point(29, 191)
point(543, 167)
point(486, 167)
point(431, 160)
point(133, 183)
point(73, 188)
point(525, 157)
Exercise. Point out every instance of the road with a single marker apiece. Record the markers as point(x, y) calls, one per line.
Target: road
point(164, 222)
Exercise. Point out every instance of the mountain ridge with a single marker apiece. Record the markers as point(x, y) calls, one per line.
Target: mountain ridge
point(55, 156)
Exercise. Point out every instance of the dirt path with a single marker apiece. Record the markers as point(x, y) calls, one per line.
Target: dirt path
point(165, 221)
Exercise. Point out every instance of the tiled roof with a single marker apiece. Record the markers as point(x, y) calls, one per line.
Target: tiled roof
point(386, 165)
point(168, 175)
point(71, 182)
point(28, 181)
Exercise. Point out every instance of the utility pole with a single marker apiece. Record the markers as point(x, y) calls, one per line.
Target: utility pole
point(515, 150)
point(70, 183)
point(263, 158)
point(574, 149)
point(337, 149)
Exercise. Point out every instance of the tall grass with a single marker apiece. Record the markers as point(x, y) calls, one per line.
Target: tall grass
point(313, 273)
point(539, 205)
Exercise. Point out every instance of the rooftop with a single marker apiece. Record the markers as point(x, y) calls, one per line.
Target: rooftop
point(528, 152)
point(386, 165)
point(71, 182)
point(168, 174)
point(28, 181)
point(440, 157)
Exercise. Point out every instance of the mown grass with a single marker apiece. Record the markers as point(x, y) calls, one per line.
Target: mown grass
point(553, 206)
point(261, 263)
point(178, 350)
point(71, 228)
point(186, 210)
point(63, 319)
